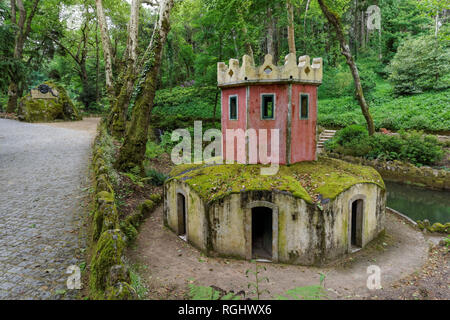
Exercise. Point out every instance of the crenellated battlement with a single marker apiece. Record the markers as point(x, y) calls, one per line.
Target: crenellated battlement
point(303, 72)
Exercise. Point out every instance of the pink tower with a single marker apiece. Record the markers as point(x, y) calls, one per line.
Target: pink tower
point(270, 97)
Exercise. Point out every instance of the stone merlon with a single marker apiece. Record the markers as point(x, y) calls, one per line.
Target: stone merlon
point(248, 73)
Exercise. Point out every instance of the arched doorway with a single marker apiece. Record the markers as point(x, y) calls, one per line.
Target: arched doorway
point(262, 230)
point(356, 230)
point(181, 213)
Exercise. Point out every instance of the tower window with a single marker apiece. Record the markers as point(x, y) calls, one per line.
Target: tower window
point(304, 106)
point(233, 107)
point(268, 106)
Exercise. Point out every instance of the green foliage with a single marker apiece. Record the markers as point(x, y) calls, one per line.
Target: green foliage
point(420, 149)
point(256, 285)
point(428, 111)
point(413, 146)
point(352, 140)
point(137, 283)
point(315, 292)
point(421, 64)
point(190, 102)
point(153, 150)
point(209, 293)
point(339, 82)
point(157, 178)
point(447, 241)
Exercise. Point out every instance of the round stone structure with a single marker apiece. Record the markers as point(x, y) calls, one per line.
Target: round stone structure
point(309, 211)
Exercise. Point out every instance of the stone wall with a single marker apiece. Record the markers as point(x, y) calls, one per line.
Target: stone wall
point(398, 171)
point(109, 276)
point(302, 233)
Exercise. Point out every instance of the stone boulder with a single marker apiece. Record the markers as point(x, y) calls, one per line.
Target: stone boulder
point(48, 102)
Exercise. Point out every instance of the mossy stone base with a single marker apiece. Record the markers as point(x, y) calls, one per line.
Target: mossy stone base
point(47, 110)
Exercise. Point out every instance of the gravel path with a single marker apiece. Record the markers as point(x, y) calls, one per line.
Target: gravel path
point(42, 173)
point(168, 264)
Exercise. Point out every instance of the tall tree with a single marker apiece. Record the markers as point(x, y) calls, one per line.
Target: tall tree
point(23, 31)
point(290, 28)
point(334, 20)
point(133, 149)
point(118, 114)
point(77, 49)
point(107, 50)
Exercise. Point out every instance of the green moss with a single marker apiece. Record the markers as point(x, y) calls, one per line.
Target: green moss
point(156, 198)
point(282, 232)
point(45, 110)
point(305, 180)
point(120, 291)
point(146, 207)
point(108, 253)
point(105, 196)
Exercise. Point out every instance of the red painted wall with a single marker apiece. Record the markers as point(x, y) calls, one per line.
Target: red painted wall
point(281, 107)
point(233, 124)
point(303, 132)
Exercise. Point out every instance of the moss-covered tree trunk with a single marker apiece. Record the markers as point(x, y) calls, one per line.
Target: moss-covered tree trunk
point(24, 29)
point(118, 114)
point(290, 28)
point(107, 51)
point(133, 149)
point(333, 19)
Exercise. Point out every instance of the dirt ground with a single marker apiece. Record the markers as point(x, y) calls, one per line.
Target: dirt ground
point(87, 124)
point(168, 265)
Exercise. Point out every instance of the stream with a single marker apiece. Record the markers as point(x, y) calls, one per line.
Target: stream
point(418, 203)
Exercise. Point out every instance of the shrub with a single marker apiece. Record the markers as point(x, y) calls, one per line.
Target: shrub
point(153, 150)
point(352, 140)
point(420, 64)
point(385, 147)
point(156, 177)
point(421, 149)
point(413, 146)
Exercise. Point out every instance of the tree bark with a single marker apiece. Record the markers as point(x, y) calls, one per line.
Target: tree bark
point(247, 44)
point(118, 115)
point(132, 151)
point(80, 58)
point(270, 34)
point(345, 50)
point(24, 29)
point(290, 28)
point(107, 51)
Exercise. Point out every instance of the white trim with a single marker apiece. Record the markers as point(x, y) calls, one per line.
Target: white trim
point(300, 105)
point(274, 105)
point(237, 107)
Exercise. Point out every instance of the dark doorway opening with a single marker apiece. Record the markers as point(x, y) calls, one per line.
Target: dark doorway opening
point(357, 218)
point(262, 233)
point(181, 212)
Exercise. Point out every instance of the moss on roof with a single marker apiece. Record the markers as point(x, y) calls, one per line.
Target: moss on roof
point(310, 181)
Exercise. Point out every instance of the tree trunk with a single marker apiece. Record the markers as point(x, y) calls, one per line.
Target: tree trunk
point(236, 49)
point(363, 30)
point(24, 28)
point(270, 34)
point(107, 51)
point(290, 28)
point(334, 21)
point(118, 116)
point(247, 44)
point(97, 64)
point(132, 151)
